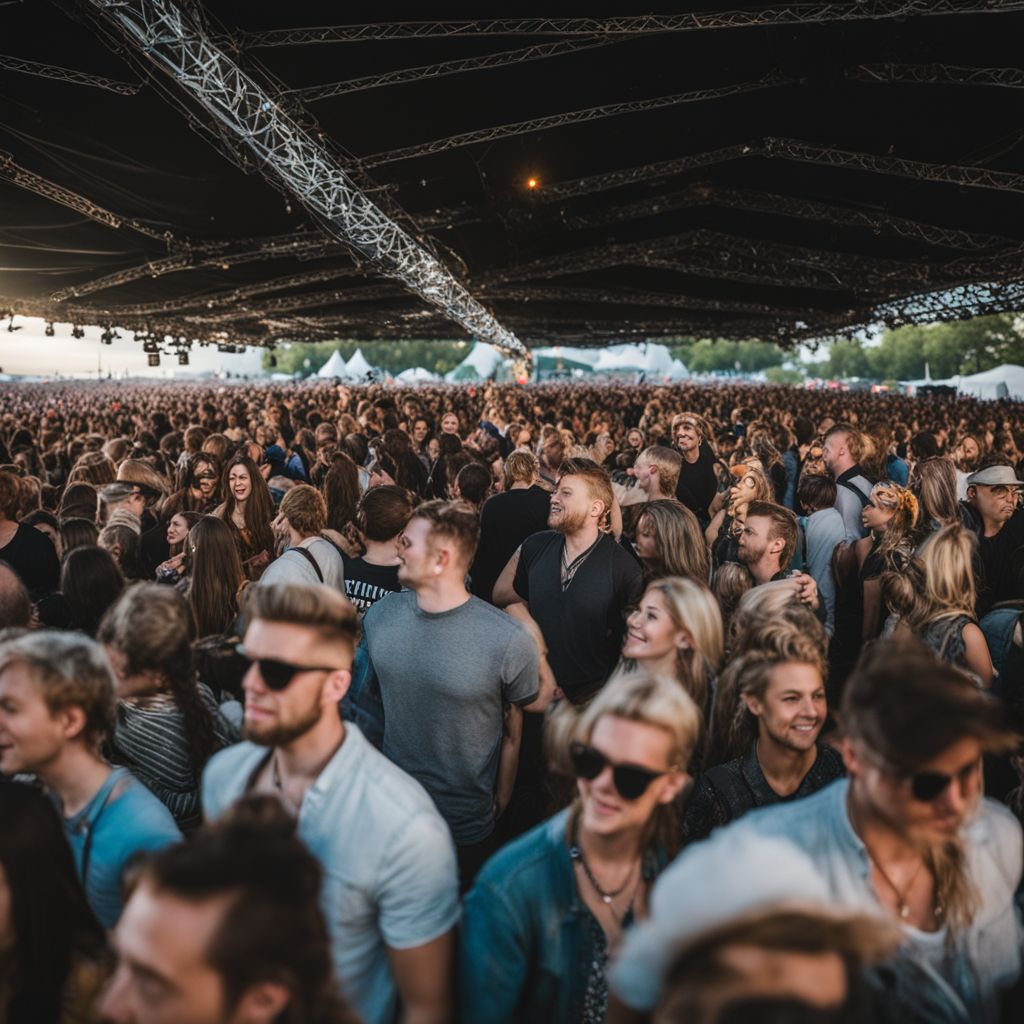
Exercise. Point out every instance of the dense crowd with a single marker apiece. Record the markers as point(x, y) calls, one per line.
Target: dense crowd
point(495, 703)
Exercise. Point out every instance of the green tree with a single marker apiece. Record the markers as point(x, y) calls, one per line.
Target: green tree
point(848, 358)
point(392, 356)
point(709, 356)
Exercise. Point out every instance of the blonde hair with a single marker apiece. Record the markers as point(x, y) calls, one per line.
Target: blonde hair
point(692, 607)
point(933, 481)
point(666, 462)
point(764, 491)
point(947, 557)
point(135, 471)
point(520, 466)
point(655, 700)
point(902, 503)
point(682, 550)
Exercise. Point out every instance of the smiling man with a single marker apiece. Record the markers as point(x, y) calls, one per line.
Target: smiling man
point(390, 894)
point(908, 833)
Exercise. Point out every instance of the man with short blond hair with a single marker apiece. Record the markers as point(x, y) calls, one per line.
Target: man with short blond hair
point(841, 451)
point(657, 472)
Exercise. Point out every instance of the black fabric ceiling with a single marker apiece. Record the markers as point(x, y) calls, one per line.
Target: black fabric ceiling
point(868, 168)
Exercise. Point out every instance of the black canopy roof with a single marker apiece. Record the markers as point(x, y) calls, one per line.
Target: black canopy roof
point(772, 171)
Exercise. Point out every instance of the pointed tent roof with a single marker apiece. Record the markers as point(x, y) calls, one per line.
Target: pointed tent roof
point(416, 375)
point(334, 367)
point(624, 358)
point(357, 365)
point(481, 362)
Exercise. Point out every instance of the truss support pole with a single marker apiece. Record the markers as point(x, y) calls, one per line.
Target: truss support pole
point(175, 44)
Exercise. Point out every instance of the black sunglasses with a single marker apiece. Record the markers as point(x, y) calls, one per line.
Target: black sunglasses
point(929, 786)
point(278, 674)
point(630, 780)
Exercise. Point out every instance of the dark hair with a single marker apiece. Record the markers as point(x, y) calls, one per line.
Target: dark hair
point(259, 507)
point(474, 481)
point(340, 489)
point(272, 928)
point(40, 517)
point(10, 495)
point(77, 532)
point(78, 498)
point(215, 575)
point(923, 445)
point(455, 520)
point(91, 582)
point(816, 491)
point(52, 921)
point(908, 707)
point(151, 626)
point(383, 512)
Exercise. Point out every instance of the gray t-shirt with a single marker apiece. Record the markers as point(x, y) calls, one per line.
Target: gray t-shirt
point(444, 680)
point(293, 567)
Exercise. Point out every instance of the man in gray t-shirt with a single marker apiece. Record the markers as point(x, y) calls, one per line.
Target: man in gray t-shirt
point(447, 663)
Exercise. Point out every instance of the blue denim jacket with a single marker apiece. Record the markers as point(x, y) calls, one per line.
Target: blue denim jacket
point(522, 931)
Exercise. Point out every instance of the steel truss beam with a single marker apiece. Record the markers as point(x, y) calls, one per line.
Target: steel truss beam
point(538, 124)
point(784, 149)
point(174, 42)
point(634, 298)
point(59, 74)
point(789, 206)
point(426, 72)
point(933, 74)
point(32, 182)
point(209, 255)
point(784, 14)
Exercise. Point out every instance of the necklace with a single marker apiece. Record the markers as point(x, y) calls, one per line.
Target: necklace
point(275, 778)
point(569, 568)
point(607, 895)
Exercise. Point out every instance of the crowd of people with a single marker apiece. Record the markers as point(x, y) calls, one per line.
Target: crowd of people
point(569, 703)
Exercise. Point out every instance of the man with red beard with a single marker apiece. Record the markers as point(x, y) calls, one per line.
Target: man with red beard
point(576, 581)
point(390, 893)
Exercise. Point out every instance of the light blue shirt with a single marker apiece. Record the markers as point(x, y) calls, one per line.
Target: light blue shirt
point(987, 954)
point(121, 822)
point(390, 875)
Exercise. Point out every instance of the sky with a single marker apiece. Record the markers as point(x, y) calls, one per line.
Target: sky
point(28, 351)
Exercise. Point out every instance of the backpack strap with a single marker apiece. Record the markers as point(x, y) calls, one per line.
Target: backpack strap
point(865, 499)
point(312, 561)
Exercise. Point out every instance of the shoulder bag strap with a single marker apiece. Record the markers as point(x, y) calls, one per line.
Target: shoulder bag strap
point(312, 561)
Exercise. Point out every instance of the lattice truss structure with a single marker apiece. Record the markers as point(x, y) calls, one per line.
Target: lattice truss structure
point(395, 275)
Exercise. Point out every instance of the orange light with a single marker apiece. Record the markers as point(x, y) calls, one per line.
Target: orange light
point(532, 183)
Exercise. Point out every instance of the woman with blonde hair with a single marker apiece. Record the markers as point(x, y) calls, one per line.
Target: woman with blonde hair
point(723, 533)
point(891, 518)
point(669, 541)
point(945, 619)
point(556, 900)
point(676, 631)
point(933, 483)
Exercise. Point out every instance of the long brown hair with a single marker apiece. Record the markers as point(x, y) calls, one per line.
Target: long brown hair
point(682, 550)
point(340, 489)
point(215, 572)
point(259, 507)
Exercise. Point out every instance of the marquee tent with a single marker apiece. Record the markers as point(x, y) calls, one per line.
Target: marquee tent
point(357, 367)
point(1006, 381)
point(334, 367)
point(481, 363)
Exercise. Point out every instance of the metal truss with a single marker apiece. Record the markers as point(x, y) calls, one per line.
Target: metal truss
point(318, 300)
point(425, 72)
point(506, 131)
point(59, 74)
point(220, 255)
point(747, 271)
point(932, 74)
point(32, 182)
point(785, 14)
point(633, 298)
point(788, 206)
point(175, 43)
point(785, 149)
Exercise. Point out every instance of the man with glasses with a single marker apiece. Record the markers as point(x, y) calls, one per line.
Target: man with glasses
point(908, 834)
point(993, 510)
point(390, 891)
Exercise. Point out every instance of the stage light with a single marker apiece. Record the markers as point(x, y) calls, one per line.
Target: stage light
point(154, 359)
point(532, 184)
point(77, 332)
point(182, 358)
point(49, 331)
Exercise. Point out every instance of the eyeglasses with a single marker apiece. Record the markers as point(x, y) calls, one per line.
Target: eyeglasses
point(278, 674)
point(929, 786)
point(206, 476)
point(630, 780)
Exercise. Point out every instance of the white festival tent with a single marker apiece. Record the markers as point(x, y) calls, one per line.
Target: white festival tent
point(654, 360)
point(334, 367)
point(357, 367)
point(479, 364)
point(1006, 381)
point(416, 375)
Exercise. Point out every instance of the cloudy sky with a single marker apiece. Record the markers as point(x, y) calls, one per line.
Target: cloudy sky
point(29, 351)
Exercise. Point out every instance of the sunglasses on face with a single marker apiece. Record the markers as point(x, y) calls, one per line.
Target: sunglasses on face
point(276, 675)
point(630, 780)
point(929, 786)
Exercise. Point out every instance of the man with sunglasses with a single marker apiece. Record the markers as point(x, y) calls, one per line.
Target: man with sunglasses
point(908, 833)
point(390, 893)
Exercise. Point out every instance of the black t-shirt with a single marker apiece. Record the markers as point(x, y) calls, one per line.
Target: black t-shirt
point(505, 522)
point(697, 483)
point(584, 624)
point(1001, 560)
point(366, 584)
point(32, 556)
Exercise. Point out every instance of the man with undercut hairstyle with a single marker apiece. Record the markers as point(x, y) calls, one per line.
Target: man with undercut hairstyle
point(841, 451)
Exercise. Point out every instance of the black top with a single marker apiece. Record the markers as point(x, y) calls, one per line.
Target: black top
point(32, 556)
point(154, 549)
point(506, 520)
point(697, 483)
point(727, 791)
point(583, 625)
point(1001, 558)
point(366, 584)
